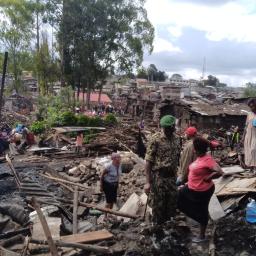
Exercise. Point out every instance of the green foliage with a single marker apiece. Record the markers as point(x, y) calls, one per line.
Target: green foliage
point(89, 137)
point(47, 68)
point(68, 119)
point(38, 127)
point(95, 121)
point(142, 73)
point(83, 120)
point(100, 37)
point(110, 119)
point(250, 92)
point(16, 31)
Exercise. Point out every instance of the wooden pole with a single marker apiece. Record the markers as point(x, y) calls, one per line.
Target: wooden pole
point(102, 209)
point(75, 205)
point(3, 81)
point(16, 176)
point(47, 232)
point(86, 247)
point(64, 181)
point(212, 246)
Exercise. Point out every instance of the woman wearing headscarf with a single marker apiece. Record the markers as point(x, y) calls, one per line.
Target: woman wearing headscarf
point(194, 197)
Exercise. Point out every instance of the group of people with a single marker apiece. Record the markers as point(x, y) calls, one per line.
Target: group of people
point(181, 180)
point(16, 140)
point(191, 191)
point(101, 110)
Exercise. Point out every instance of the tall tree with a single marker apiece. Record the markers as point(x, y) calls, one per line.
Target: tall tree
point(100, 36)
point(142, 73)
point(46, 67)
point(16, 31)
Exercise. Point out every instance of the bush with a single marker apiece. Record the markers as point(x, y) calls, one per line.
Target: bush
point(68, 118)
point(110, 119)
point(83, 120)
point(38, 127)
point(95, 121)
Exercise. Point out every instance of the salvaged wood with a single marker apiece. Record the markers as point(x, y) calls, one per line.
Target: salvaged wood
point(212, 246)
point(75, 206)
point(52, 246)
point(87, 237)
point(63, 181)
point(236, 191)
point(102, 209)
point(86, 247)
point(17, 178)
point(238, 186)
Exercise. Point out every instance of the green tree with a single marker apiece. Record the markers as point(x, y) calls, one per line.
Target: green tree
point(212, 81)
point(250, 90)
point(103, 36)
point(16, 31)
point(142, 73)
point(46, 67)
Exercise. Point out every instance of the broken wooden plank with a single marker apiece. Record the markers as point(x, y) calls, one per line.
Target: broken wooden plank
point(236, 191)
point(77, 129)
point(221, 182)
point(75, 205)
point(64, 181)
point(87, 237)
point(52, 246)
point(237, 183)
point(87, 247)
point(103, 209)
point(215, 209)
point(212, 246)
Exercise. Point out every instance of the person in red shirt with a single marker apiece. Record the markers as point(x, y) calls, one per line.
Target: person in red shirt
point(194, 197)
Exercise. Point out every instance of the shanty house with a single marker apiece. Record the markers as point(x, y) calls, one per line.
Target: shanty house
point(205, 115)
point(95, 98)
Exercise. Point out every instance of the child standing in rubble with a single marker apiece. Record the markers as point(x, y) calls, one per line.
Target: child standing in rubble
point(110, 179)
point(79, 142)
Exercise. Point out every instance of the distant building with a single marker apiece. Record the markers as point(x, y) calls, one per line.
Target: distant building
point(19, 104)
point(141, 82)
point(94, 98)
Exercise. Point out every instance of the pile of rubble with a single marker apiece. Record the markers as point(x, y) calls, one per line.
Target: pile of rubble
point(11, 118)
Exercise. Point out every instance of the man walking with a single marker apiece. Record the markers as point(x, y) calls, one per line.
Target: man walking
point(162, 159)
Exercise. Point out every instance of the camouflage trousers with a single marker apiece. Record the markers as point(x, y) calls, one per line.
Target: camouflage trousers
point(163, 198)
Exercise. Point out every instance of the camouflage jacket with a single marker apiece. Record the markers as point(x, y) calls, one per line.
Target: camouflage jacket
point(163, 152)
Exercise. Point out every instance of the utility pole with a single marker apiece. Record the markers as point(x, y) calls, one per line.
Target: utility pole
point(3, 81)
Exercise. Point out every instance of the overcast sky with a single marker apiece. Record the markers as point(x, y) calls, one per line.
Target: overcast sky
point(222, 31)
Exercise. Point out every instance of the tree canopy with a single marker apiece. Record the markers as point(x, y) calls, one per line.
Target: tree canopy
point(102, 37)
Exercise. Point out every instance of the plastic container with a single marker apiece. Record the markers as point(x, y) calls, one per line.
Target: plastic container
point(251, 211)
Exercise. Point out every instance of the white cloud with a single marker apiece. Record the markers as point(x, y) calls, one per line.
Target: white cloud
point(232, 21)
point(175, 31)
point(162, 45)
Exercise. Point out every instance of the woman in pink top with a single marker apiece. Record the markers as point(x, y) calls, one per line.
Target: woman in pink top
point(195, 196)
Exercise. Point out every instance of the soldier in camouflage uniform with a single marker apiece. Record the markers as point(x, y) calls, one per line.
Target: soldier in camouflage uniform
point(162, 160)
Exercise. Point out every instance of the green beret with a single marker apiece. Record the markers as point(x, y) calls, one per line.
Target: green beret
point(167, 121)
